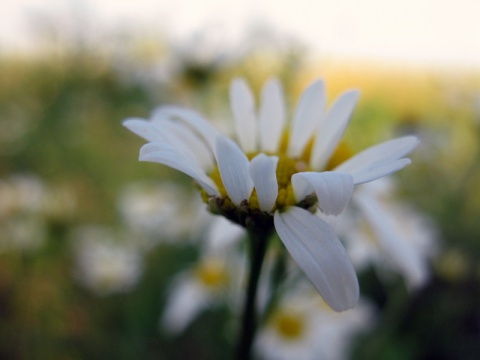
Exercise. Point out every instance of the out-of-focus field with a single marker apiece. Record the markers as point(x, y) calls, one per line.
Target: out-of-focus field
point(67, 166)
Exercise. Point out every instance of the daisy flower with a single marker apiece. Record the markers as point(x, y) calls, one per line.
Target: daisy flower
point(303, 327)
point(277, 174)
point(103, 264)
point(213, 280)
point(157, 213)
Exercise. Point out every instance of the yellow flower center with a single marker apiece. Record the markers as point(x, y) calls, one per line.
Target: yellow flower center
point(289, 326)
point(286, 167)
point(212, 273)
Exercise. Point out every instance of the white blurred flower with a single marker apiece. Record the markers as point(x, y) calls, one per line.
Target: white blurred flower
point(304, 327)
point(29, 194)
point(103, 263)
point(215, 279)
point(157, 212)
point(390, 234)
point(22, 194)
point(22, 220)
point(221, 234)
point(273, 178)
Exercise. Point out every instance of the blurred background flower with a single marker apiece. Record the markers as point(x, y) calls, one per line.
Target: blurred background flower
point(94, 244)
point(304, 327)
point(389, 234)
point(102, 263)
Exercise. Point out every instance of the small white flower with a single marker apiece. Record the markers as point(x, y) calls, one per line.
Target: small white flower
point(26, 206)
point(102, 263)
point(156, 212)
point(277, 179)
point(213, 281)
point(25, 194)
point(303, 327)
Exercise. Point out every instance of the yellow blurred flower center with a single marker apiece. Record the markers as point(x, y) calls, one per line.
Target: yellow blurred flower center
point(289, 326)
point(212, 273)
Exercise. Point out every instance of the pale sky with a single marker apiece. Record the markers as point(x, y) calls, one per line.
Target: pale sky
point(441, 32)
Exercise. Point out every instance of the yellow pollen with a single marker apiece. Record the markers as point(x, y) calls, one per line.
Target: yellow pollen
point(285, 169)
point(289, 326)
point(212, 273)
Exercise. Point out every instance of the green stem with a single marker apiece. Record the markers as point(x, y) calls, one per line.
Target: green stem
point(258, 247)
point(276, 284)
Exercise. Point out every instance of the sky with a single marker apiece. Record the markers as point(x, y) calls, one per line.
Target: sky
point(431, 32)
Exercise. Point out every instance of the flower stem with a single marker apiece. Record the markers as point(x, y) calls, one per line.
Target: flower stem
point(258, 242)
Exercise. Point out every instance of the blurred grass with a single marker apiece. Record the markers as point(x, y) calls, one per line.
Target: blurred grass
point(60, 119)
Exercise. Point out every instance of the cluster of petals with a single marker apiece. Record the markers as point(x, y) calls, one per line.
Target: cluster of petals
point(182, 139)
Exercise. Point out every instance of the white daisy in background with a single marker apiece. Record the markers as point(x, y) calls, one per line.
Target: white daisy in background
point(211, 282)
point(390, 234)
point(27, 205)
point(157, 213)
point(303, 327)
point(103, 264)
point(279, 174)
point(22, 194)
point(22, 225)
point(220, 234)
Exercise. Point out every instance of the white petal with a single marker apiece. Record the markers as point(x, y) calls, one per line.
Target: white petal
point(400, 251)
point(263, 173)
point(317, 250)
point(144, 129)
point(307, 117)
point(222, 234)
point(333, 189)
point(176, 134)
point(379, 170)
point(272, 116)
point(191, 118)
point(167, 155)
point(388, 151)
point(181, 137)
point(243, 107)
point(180, 310)
point(233, 166)
point(331, 129)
